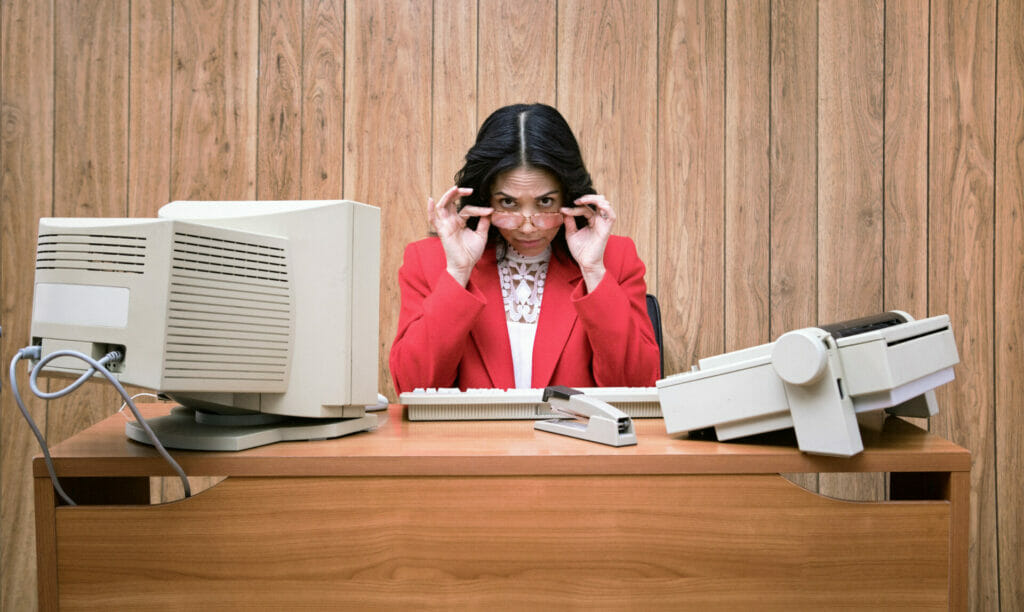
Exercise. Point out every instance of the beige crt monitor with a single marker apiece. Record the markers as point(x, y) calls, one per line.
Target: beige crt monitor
point(259, 317)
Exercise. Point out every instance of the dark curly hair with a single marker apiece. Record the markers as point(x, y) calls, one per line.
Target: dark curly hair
point(524, 135)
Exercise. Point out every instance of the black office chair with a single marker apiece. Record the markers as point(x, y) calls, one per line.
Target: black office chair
point(654, 312)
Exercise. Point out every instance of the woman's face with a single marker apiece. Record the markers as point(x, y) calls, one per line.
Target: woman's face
point(527, 191)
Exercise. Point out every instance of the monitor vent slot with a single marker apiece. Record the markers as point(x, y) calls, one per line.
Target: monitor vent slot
point(229, 259)
point(91, 253)
point(229, 313)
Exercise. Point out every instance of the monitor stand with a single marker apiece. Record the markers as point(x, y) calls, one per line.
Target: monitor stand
point(191, 429)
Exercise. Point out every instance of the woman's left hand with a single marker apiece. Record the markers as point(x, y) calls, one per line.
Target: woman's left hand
point(588, 242)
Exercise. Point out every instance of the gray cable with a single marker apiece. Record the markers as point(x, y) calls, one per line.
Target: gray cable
point(34, 374)
point(27, 353)
point(95, 366)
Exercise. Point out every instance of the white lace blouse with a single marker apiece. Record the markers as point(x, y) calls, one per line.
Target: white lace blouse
point(522, 287)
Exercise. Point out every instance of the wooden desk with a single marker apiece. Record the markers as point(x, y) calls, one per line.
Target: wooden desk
point(494, 514)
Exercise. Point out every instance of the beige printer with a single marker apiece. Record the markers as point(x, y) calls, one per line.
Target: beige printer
point(816, 380)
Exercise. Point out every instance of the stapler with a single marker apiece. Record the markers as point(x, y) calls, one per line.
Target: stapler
point(586, 418)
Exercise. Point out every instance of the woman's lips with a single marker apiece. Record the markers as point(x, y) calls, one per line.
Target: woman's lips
point(531, 243)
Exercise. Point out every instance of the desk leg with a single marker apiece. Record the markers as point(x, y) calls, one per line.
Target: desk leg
point(954, 487)
point(46, 543)
point(958, 492)
point(85, 491)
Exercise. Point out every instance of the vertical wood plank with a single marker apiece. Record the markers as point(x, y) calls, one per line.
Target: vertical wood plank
point(517, 53)
point(323, 99)
point(906, 160)
point(279, 106)
point(850, 159)
point(387, 110)
point(850, 122)
point(26, 161)
point(906, 157)
point(794, 185)
point(91, 109)
point(793, 172)
point(747, 211)
point(1009, 315)
point(607, 90)
point(958, 492)
point(960, 245)
point(213, 140)
point(149, 130)
point(90, 154)
point(691, 52)
point(454, 95)
point(46, 545)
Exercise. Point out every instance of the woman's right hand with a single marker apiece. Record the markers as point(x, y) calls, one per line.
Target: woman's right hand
point(462, 245)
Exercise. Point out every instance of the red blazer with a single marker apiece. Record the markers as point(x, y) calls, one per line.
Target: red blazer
point(450, 336)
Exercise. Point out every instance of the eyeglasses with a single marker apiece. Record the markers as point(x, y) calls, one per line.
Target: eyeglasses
point(515, 220)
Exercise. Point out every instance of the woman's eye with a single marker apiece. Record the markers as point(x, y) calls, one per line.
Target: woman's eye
point(546, 202)
point(506, 202)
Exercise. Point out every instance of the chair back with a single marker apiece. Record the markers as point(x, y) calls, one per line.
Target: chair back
point(654, 312)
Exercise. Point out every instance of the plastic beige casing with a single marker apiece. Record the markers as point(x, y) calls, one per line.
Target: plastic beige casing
point(255, 306)
point(167, 292)
point(814, 383)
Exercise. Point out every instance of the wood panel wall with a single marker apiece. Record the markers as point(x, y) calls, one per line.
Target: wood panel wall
point(778, 162)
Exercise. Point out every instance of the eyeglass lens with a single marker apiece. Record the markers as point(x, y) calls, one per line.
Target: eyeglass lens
point(514, 220)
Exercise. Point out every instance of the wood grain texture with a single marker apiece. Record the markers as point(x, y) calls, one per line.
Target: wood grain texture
point(958, 492)
point(793, 173)
point(26, 193)
point(323, 99)
point(90, 109)
point(498, 448)
point(214, 114)
point(46, 549)
point(690, 180)
point(607, 86)
point(467, 514)
point(387, 135)
point(747, 201)
point(794, 196)
point(190, 128)
point(431, 543)
point(1009, 288)
point(517, 53)
point(906, 159)
point(850, 123)
point(960, 245)
point(279, 106)
point(149, 121)
point(454, 94)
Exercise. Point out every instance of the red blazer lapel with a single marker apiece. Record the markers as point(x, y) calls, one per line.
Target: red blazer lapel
point(557, 317)
point(490, 334)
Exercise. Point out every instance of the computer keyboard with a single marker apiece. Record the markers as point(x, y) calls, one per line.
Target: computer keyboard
point(449, 404)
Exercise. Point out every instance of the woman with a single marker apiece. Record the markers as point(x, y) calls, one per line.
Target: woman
point(523, 284)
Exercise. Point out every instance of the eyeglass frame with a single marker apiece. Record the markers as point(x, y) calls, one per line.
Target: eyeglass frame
point(512, 214)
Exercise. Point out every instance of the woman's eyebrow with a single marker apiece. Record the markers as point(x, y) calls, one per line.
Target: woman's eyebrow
point(543, 195)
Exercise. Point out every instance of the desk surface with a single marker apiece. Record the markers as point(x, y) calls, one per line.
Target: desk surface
point(501, 448)
point(454, 515)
